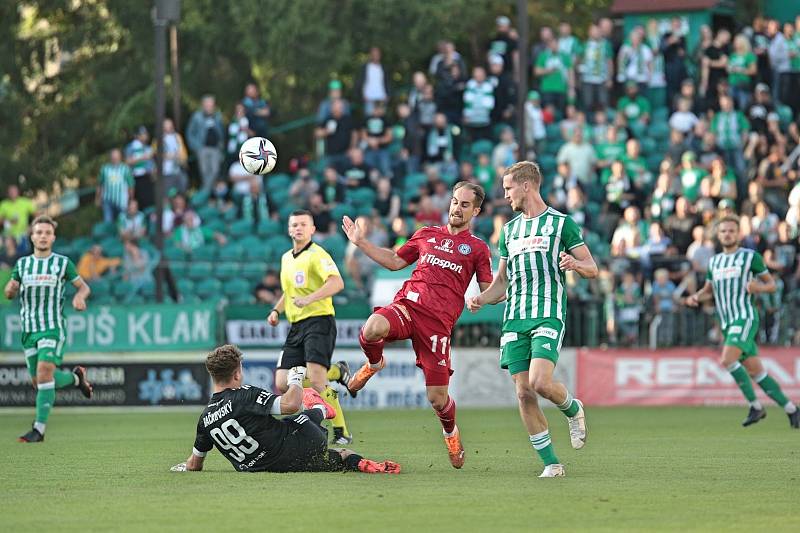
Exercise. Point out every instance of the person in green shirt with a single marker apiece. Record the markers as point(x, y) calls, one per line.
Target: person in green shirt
point(731, 129)
point(691, 176)
point(15, 213)
point(556, 77)
point(114, 186)
point(610, 150)
point(741, 70)
point(633, 106)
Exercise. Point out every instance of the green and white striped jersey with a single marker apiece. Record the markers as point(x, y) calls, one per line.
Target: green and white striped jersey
point(536, 286)
point(116, 181)
point(729, 275)
point(42, 284)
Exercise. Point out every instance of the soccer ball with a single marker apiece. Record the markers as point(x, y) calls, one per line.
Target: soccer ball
point(258, 155)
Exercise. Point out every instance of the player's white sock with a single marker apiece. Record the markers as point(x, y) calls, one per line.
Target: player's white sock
point(39, 426)
point(790, 408)
point(756, 405)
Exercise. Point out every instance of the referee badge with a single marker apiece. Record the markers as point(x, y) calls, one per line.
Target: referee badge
point(300, 278)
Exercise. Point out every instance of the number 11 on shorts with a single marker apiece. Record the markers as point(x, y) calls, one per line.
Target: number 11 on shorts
point(435, 340)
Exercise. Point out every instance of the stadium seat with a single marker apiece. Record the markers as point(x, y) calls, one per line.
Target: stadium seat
point(785, 115)
point(102, 230)
point(207, 213)
point(233, 251)
point(658, 131)
point(654, 162)
point(278, 181)
point(240, 228)
point(121, 289)
point(286, 210)
point(660, 114)
point(648, 145)
point(231, 215)
point(268, 228)
point(227, 270)
point(637, 128)
point(335, 245)
point(173, 253)
point(279, 244)
point(363, 196)
point(101, 288)
point(207, 252)
point(199, 270)
point(237, 287)
point(253, 272)
point(208, 289)
point(112, 247)
point(553, 132)
point(185, 286)
point(216, 225)
point(483, 146)
point(199, 199)
point(548, 164)
point(148, 290)
point(241, 299)
point(262, 253)
point(340, 211)
point(278, 196)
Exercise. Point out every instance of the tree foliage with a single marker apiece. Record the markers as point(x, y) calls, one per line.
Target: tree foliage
point(77, 76)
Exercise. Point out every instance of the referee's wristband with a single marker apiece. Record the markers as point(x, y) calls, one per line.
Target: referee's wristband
point(274, 311)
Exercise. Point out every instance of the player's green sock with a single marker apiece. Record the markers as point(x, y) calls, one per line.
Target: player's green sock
point(332, 397)
point(65, 378)
point(743, 380)
point(773, 390)
point(45, 398)
point(334, 373)
point(544, 447)
point(569, 407)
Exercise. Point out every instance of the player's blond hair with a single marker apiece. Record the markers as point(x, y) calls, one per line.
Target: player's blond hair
point(476, 189)
point(223, 362)
point(729, 218)
point(44, 219)
point(525, 171)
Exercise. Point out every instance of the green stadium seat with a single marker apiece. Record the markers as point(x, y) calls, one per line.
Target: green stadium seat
point(335, 245)
point(654, 162)
point(173, 253)
point(785, 115)
point(121, 289)
point(217, 225)
point(340, 211)
point(660, 114)
point(199, 199)
point(237, 287)
point(253, 272)
point(100, 287)
point(648, 145)
point(199, 270)
point(548, 164)
point(268, 228)
point(658, 131)
point(208, 288)
point(112, 247)
point(363, 196)
point(483, 146)
point(185, 286)
point(207, 252)
point(231, 215)
point(261, 253)
point(278, 196)
point(240, 228)
point(241, 299)
point(279, 244)
point(227, 270)
point(278, 181)
point(233, 251)
point(102, 230)
point(286, 210)
point(148, 290)
point(553, 132)
point(208, 213)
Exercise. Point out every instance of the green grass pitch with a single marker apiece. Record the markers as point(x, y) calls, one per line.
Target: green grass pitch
point(643, 469)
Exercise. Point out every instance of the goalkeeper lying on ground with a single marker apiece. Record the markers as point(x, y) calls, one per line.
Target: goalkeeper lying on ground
point(239, 421)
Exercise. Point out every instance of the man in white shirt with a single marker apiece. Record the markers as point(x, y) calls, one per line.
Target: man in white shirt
point(373, 81)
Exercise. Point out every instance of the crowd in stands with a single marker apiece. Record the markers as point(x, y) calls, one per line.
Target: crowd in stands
point(643, 139)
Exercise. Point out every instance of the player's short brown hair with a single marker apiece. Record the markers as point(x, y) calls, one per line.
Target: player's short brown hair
point(729, 218)
point(44, 219)
point(525, 171)
point(476, 189)
point(223, 362)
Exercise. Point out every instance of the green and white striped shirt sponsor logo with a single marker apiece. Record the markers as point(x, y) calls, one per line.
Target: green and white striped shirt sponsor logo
point(42, 284)
point(729, 275)
point(536, 285)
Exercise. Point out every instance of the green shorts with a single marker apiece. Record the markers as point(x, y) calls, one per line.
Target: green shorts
point(47, 346)
point(742, 335)
point(523, 340)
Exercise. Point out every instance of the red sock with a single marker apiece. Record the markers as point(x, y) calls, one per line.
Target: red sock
point(447, 416)
point(373, 350)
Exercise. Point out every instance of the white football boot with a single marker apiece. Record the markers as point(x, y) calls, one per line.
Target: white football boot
point(577, 428)
point(555, 470)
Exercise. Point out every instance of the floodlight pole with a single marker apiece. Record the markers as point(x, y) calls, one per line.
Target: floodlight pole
point(160, 27)
point(522, 82)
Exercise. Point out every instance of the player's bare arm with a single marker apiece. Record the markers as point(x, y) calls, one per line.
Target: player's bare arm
point(494, 293)
point(274, 314)
point(580, 260)
point(764, 284)
point(703, 295)
point(11, 289)
point(385, 257)
point(332, 285)
point(79, 300)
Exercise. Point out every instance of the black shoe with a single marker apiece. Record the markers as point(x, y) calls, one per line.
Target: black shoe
point(754, 416)
point(339, 438)
point(83, 383)
point(344, 376)
point(32, 436)
point(794, 419)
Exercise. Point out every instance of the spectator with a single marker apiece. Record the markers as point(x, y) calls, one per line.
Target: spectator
point(619, 189)
point(373, 81)
point(333, 187)
point(357, 172)
point(258, 110)
point(633, 106)
point(190, 235)
point(730, 128)
point(506, 152)
point(173, 213)
point(478, 105)
point(450, 93)
point(268, 291)
point(662, 293)
point(338, 133)
point(93, 265)
point(535, 132)
point(596, 68)
point(610, 150)
point(673, 47)
point(325, 109)
point(137, 267)
point(676, 148)
point(239, 131)
point(662, 201)
point(628, 309)
point(683, 120)
point(505, 91)
point(773, 181)
point(504, 44)
point(400, 233)
point(721, 183)
point(446, 57)
point(321, 215)
point(174, 163)
point(221, 196)
point(255, 207)
point(426, 109)
point(629, 235)
point(760, 43)
point(714, 65)
point(131, 224)
point(303, 187)
point(562, 182)
point(779, 60)
point(114, 186)
point(15, 214)
point(206, 137)
point(8, 253)
point(387, 202)
point(679, 225)
point(545, 36)
point(741, 71)
point(691, 176)
point(635, 61)
point(409, 129)
point(139, 157)
point(556, 77)
point(781, 256)
point(580, 155)
point(427, 214)
point(636, 168)
point(378, 136)
point(760, 108)
point(700, 251)
point(484, 172)
point(360, 267)
point(656, 93)
point(568, 43)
